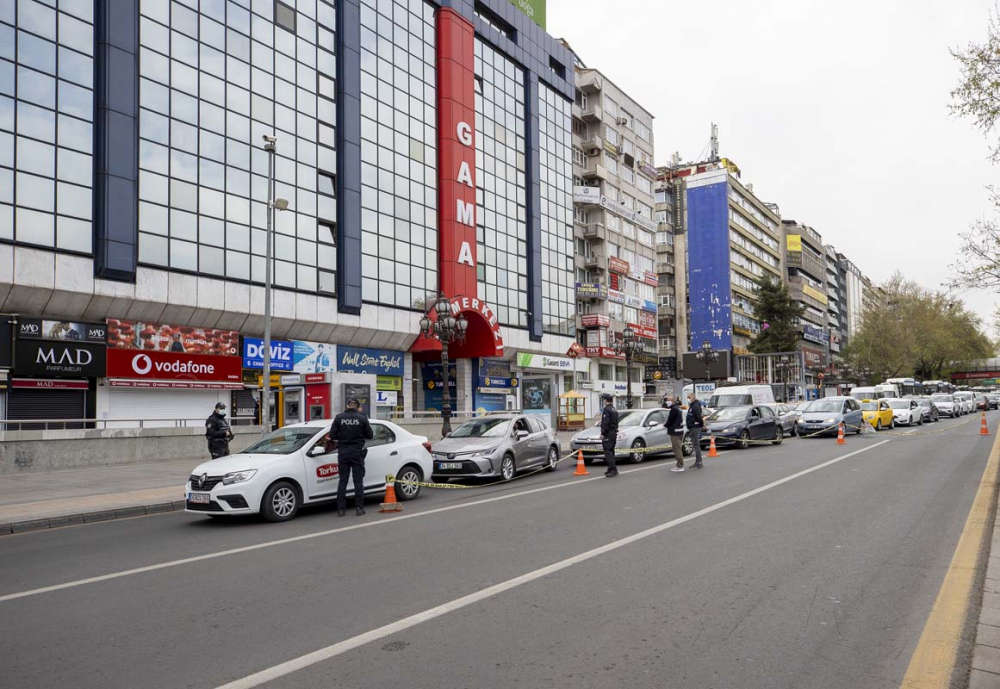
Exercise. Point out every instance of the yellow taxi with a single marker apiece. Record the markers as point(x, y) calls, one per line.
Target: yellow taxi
point(878, 413)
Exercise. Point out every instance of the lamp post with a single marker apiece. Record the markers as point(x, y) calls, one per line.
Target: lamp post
point(446, 329)
point(783, 365)
point(270, 145)
point(707, 356)
point(627, 347)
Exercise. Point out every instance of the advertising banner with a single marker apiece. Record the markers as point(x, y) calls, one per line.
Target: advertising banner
point(535, 9)
point(709, 288)
point(595, 320)
point(536, 396)
point(312, 357)
point(617, 265)
point(585, 194)
point(815, 359)
point(178, 339)
point(650, 278)
point(386, 383)
point(614, 281)
point(489, 401)
point(431, 373)
point(813, 334)
point(492, 373)
point(643, 331)
point(591, 289)
point(794, 242)
point(59, 359)
point(556, 363)
point(41, 329)
point(814, 293)
point(603, 353)
point(616, 296)
point(157, 365)
point(281, 354)
point(383, 362)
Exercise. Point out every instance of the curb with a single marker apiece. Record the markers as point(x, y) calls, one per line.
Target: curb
point(24, 526)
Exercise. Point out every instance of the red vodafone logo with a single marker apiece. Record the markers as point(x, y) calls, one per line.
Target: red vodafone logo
point(142, 364)
point(328, 470)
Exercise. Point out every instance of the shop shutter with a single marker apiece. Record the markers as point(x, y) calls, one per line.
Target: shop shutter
point(165, 406)
point(29, 403)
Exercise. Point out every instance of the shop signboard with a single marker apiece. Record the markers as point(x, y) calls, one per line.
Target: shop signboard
point(647, 319)
point(45, 384)
point(536, 396)
point(815, 294)
point(648, 170)
point(585, 194)
point(158, 365)
point(489, 401)
point(543, 361)
point(534, 9)
point(386, 398)
point(814, 334)
point(648, 305)
point(387, 383)
point(617, 265)
point(616, 296)
point(643, 331)
point(177, 339)
point(382, 362)
point(431, 373)
point(492, 373)
point(312, 357)
point(815, 359)
point(603, 353)
point(282, 358)
point(60, 359)
point(591, 289)
point(650, 278)
point(44, 329)
point(595, 320)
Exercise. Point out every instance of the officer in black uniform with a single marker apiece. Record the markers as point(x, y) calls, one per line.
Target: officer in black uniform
point(609, 434)
point(350, 430)
point(217, 432)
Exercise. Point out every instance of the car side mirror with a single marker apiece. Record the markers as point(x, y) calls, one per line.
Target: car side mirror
point(653, 424)
point(317, 450)
point(521, 435)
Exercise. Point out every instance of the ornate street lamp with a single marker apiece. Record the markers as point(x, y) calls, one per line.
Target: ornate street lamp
point(627, 347)
point(783, 366)
point(447, 329)
point(707, 356)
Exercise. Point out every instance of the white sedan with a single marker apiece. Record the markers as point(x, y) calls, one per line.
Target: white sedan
point(293, 466)
point(906, 412)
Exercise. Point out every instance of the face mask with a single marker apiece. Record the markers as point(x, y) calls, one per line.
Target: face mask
point(220, 412)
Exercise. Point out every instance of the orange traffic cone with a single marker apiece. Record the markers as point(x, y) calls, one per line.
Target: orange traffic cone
point(983, 430)
point(840, 434)
point(712, 452)
point(390, 504)
point(581, 468)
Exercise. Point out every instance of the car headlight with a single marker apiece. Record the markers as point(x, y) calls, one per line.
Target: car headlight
point(484, 453)
point(830, 420)
point(730, 429)
point(238, 476)
point(621, 436)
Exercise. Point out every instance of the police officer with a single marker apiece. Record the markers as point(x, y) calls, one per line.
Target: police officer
point(609, 434)
point(217, 432)
point(350, 430)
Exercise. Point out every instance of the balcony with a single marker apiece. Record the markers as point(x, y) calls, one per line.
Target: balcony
point(593, 143)
point(592, 113)
point(590, 82)
point(594, 170)
point(595, 230)
point(596, 260)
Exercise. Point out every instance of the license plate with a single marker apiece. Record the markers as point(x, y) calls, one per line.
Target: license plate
point(203, 498)
point(449, 465)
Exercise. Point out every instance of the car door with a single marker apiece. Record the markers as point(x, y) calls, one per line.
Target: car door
point(755, 424)
point(321, 469)
point(769, 423)
point(656, 429)
point(523, 453)
point(915, 412)
point(539, 440)
point(382, 458)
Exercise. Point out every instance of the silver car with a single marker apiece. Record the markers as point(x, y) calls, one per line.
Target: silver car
point(787, 415)
point(637, 429)
point(967, 400)
point(946, 404)
point(496, 446)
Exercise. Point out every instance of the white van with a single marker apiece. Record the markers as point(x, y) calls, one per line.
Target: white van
point(888, 390)
point(739, 395)
point(866, 393)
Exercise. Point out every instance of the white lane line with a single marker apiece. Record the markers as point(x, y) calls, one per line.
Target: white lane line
point(302, 662)
point(306, 537)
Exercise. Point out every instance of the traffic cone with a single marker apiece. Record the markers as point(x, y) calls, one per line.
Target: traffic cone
point(581, 468)
point(983, 430)
point(390, 504)
point(840, 434)
point(712, 452)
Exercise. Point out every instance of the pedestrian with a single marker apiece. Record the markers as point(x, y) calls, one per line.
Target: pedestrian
point(609, 434)
point(218, 432)
point(350, 430)
point(675, 427)
point(695, 424)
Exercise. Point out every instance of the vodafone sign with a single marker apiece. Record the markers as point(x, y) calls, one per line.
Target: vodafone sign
point(153, 365)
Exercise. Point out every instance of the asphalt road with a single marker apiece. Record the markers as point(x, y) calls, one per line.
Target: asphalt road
point(816, 580)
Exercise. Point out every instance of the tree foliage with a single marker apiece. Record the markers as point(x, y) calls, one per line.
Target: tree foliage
point(776, 307)
point(977, 95)
point(915, 332)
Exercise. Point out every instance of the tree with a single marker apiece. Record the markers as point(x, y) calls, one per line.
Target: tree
point(775, 308)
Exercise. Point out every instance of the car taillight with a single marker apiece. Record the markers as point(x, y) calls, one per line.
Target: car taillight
point(427, 446)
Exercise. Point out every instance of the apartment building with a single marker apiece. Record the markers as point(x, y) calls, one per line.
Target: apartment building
point(806, 275)
point(671, 269)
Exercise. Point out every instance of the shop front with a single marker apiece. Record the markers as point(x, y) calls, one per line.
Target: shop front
point(300, 379)
point(494, 386)
point(386, 365)
point(166, 374)
point(543, 379)
point(55, 371)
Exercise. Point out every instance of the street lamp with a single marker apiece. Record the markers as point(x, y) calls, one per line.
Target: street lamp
point(446, 329)
point(783, 365)
point(270, 145)
point(627, 347)
point(707, 356)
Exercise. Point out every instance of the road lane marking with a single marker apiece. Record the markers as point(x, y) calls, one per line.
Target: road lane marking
point(323, 654)
point(934, 659)
point(318, 534)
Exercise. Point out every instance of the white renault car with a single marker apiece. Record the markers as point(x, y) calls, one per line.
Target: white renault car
point(906, 412)
point(296, 466)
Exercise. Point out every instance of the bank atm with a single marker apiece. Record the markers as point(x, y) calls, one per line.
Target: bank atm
point(292, 407)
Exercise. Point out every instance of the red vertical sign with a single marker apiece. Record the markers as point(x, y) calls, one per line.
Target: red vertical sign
point(456, 107)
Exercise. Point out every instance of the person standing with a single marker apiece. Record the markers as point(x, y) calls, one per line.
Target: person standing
point(609, 435)
point(675, 427)
point(350, 430)
point(217, 432)
point(695, 424)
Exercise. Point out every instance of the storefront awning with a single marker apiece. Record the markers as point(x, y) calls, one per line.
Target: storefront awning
point(482, 338)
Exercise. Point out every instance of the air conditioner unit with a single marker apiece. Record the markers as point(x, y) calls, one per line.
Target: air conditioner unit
point(593, 152)
point(621, 150)
point(622, 120)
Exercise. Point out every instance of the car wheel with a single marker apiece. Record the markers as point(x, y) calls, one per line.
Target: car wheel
point(779, 435)
point(687, 446)
point(508, 468)
point(552, 463)
point(407, 491)
point(744, 441)
point(878, 425)
point(860, 427)
point(637, 457)
point(280, 502)
point(892, 423)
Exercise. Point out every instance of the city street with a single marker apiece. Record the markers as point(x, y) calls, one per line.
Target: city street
point(749, 573)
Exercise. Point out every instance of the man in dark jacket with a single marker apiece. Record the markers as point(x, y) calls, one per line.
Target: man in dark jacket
point(217, 432)
point(609, 435)
point(675, 427)
point(350, 430)
point(695, 424)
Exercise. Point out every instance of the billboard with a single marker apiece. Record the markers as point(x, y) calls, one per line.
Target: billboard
point(595, 320)
point(384, 362)
point(709, 289)
point(160, 365)
point(52, 358)
point(534, 9)
point(39, 329)
point(281, 354)
point(179, 339)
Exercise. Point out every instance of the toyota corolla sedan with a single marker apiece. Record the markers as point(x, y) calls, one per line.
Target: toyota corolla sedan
point(637, 429)
point(906, 412)
point(498, 445)
point(297, 465)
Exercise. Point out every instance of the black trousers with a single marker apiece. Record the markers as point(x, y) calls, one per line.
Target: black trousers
point(609, 454)
point(351, 466)
point(218, 449)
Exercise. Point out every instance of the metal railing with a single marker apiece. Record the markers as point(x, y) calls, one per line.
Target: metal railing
point(102, 424)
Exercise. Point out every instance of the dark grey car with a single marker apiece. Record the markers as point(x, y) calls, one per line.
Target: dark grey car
point(497, 445)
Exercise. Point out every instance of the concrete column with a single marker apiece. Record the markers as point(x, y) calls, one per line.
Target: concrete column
point(464, 385)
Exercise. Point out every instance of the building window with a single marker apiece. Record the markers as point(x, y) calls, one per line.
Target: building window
point(284, 16)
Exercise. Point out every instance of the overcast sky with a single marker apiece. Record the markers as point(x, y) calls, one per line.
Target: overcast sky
point(836, 111)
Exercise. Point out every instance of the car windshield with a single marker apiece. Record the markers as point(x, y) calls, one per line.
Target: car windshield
point(284, 441)
point(899, 404)
point(925, 403)
point(630, 418)
point(730, 400)
point(729, 414)
point(942, 398)
point(869, 406)
point(823, 406)
point(482, 428)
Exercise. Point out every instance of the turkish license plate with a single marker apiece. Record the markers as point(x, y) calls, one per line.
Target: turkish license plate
point(444, 466)
point(203, 498)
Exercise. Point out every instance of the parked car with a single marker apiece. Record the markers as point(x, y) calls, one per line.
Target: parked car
point(906, 412)
point(928, 409)
point(967, 400)
point(994, 399)
point(297, 465)
point(740, 395)
point(788, 415)
point(823, 416)
point(982, 404)
point(947, 405)
point(878, 414)
point(496, 446)
point(637, 428)
point(740, 426)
